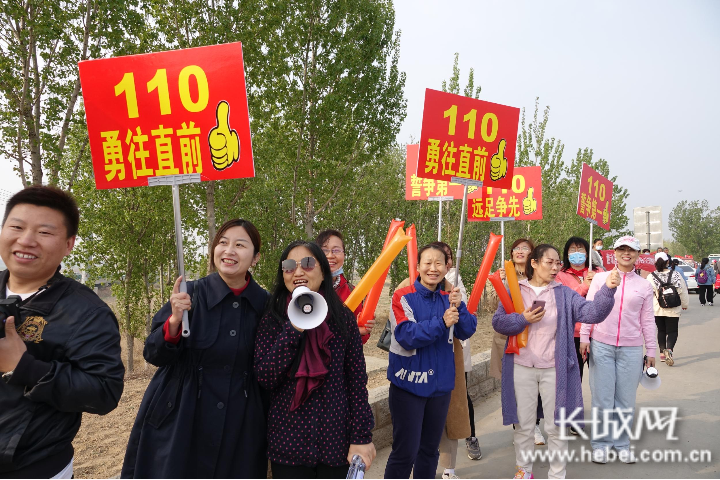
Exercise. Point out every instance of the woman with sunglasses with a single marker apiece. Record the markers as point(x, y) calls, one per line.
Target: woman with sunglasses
point(333, 246)
point(203, 413)
point(319, 411)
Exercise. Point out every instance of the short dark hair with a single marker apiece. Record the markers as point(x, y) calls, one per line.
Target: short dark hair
point(251, 230)
point(660, 249)
point(444, 246)
point(597, 240)
point(325, 235)
point(575, 241)
point(646, 250)
point(434, 246)
point(537, 254)
point(50, 197)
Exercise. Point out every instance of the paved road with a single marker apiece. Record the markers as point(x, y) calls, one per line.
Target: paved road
point(692, 385)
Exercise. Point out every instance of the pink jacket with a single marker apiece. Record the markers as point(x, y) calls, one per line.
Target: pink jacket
point(631, 320)
point(540, 349)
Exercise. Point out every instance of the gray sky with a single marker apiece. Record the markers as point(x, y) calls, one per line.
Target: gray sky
point(636, 81)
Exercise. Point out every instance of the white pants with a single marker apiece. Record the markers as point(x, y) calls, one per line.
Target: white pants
point(528, 383)
point(448, 451)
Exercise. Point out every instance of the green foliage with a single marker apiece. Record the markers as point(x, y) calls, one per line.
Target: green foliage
point(694, 226)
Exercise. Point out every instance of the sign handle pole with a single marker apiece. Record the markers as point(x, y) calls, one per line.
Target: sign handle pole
point(440, 202)
point(458, 252)
point(590, 254)
point(180, 256)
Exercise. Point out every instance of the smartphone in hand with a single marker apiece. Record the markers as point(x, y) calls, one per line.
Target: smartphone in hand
point(537, 304)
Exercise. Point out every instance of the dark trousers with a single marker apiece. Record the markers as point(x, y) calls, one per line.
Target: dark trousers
point(418, 423)
point(581, 362)
point(301, 471)
point(706, 291)
point(667, 328)
point(471, 410)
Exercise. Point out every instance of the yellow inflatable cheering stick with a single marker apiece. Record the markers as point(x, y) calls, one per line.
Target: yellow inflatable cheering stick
point(512, 280)
point(224, 141)
point(381, 264)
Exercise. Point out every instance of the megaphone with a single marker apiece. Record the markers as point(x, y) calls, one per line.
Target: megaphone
point(307, 309)
point(650, 378)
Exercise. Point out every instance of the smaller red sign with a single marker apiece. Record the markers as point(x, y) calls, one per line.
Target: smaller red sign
point(645, 261)
point(467, 138)
point(595, 197)
point(523, 201)
point(417, 188)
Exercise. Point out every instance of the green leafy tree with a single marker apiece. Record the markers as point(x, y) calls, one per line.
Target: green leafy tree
point(693, 224)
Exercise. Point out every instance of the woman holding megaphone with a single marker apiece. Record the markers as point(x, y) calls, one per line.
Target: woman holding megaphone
point(203, 413)
point(314, 368)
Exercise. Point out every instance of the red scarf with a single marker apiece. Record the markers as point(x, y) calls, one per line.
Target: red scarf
point(578, 273)
point(314, 362)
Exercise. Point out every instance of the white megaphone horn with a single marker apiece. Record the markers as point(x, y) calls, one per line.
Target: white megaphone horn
point(307, 309)
point(650, 378)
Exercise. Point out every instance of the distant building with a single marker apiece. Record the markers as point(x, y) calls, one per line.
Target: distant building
point(648, 226)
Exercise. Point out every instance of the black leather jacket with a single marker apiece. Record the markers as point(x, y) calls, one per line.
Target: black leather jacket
point(72, 365)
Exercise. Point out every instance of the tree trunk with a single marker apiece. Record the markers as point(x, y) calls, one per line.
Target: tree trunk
point(210, 210)
point(148, 301)
point(310, 218)
point(129, 340)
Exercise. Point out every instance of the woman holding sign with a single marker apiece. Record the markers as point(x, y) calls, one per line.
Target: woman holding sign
point(547, 365)
point(575, 274)
point(333, 246)
point(422, 364)
point(319, 411)
point(203, 413)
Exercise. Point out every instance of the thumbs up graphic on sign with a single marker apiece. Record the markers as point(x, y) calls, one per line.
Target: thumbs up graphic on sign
point(224, 141)
point(529, 203)
point(606, 214)
point(498, 163)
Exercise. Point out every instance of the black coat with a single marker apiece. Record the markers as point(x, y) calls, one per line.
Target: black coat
point(203, 414)
point(72, 365)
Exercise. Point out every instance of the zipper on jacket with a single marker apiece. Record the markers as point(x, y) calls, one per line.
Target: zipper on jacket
point(200, 370)
point(622, 299)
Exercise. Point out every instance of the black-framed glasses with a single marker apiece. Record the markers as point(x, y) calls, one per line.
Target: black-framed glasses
point(290, 266)
point(335, 251)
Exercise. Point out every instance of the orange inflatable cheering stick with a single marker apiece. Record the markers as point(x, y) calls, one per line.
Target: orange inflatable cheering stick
point(517, 300)
point(376, 270)
point(412, 253)
point(373, 297)
point(507, 304)
point(483, 272)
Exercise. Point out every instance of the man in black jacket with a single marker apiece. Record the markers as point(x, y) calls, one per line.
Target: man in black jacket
point(62, 356)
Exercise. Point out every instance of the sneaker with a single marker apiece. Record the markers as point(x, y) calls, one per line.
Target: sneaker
point(539, 439)
point(473, 448)
point(710, 304)
point(522, 473)
point(662, 356)
point(600, 455)
point(448, 476)
point(669, 358)
point(626, 455)
point(573, 431)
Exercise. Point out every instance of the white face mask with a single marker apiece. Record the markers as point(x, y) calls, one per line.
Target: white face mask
point(598, 247)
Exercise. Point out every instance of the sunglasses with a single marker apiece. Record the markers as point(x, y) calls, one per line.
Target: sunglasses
point(290, 266)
